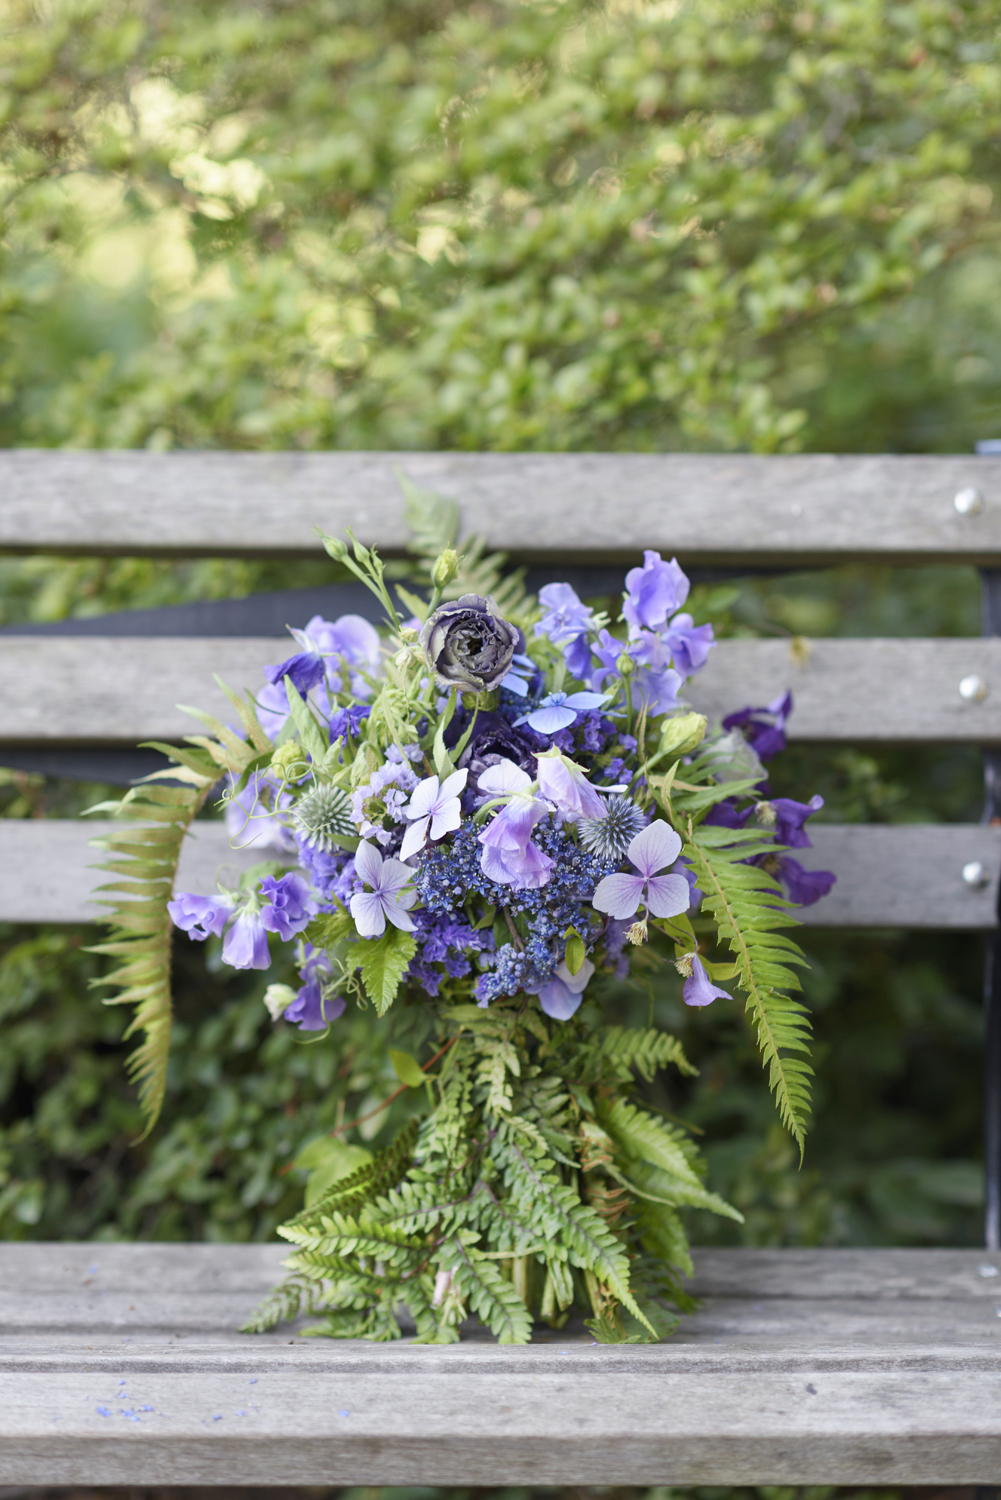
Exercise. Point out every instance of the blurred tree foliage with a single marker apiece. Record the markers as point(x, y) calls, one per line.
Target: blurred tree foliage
point(425, 223)
point(502, 224)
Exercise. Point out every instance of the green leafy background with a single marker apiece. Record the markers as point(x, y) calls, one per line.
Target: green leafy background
point(419, 223)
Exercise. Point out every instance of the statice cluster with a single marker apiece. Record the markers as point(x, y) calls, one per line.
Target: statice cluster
point(509, 843)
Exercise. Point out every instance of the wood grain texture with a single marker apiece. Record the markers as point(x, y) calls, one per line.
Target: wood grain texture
point(119, 1365)
point(575, 506)
point(907, 875)
point(104, 690)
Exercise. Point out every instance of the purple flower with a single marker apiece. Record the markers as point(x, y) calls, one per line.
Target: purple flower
point(433, 809)
point(789, 819)
point(250, 822)
point(688, 643)
point(726, 814)
point(765, 734)
point(350, 637)
point(566, 617)
point(388, 898)
point(491, 741)
point(509, 855)
point(698, 990)
point(559, 711)
point(654, 592)
point(309, 1010)
point(523, 677)
point(607, 648)
point(245, 945)
point(664, 895)
point(803, 886)
point(346, 721)
point(200, 916)
point(577, 655)
point(655, 684)
point(561, 997)
point(563, 783)
point(468, 645)
point(289, 910)
point(680, 867)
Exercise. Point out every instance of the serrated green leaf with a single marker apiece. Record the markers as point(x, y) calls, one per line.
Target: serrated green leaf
point(383, 962)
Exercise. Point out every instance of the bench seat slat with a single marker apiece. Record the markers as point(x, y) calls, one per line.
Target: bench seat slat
point(802, 1366)
point(106, 690)
point(572, 506)
point(902, 875)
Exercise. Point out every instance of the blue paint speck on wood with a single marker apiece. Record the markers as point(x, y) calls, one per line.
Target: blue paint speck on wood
point(217, 1417)
point(147, 1408)
point(344, 1414)
point(254, 1381)
point(102, 1411)
point(241, 1413)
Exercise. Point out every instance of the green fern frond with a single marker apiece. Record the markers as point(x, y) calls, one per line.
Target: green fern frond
point(433, 521)
point(298, 1293)
point(647, 1051)
point(140, 923)
point(749, 908)
point(488, 1294)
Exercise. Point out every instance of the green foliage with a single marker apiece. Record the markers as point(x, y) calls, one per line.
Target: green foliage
point(579, 226)
point(383, 962)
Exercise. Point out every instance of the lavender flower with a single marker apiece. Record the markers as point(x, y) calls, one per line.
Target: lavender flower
point(350, 637)
point(654, 592)
point(566, 617)
point(789, 819)
point(491, 741)
point(509, 855)
point(698, 990)
point(200, 916)
point(803, 887)
point(563, 783)
point(468, 645)
point(310, 1010)
point(383, 797)
point(245, 945)
point(655, 682)
point(434, 809)
point(561, 997)
point(289, 909)
point(388, 898)
point(559, 710)
point(523, 677)
point(688, 643)
point(664, 895)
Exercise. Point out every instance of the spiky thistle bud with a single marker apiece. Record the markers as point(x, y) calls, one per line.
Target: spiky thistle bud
point(323, 817)
point(609, 837)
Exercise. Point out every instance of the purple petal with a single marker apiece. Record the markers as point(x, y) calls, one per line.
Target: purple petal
point(698, 990)
point(415, 838)
point(668, 895)
point(586, 700)
point(558, 1001)
point(368, 863)
point(425, 796)
point(656, 847)
point(368, 912)
point(619, 895)
point(551, 720)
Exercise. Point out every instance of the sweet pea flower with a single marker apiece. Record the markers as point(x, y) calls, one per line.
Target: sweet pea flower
point(654, 592)
point(559, 710)
point(564, 783)
point(566, 617)
point(688, 643)
point(698, 990)
point(577, 655)
point(607, 648)
point(433, 809)
point(654, 849)
point(309, 1009)
point(655, 683)
point(509, 855)
point(350, 637)
point(245, 945)
point(200, 916)
point(561, 997)
point(289, 910)
point(388, 898)
point(789, 819)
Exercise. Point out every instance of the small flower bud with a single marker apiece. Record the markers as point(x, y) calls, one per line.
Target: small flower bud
point(289, 761)
point(408, 635)
point(574, 954)
point(625, 666)
point(278, 998)
point(335, 548)
point(637, 933)
point(681, 733)
point(445, 568)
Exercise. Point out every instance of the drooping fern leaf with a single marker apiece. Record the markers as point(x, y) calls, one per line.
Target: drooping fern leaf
point(749, 909)
point(434, 525)
point(140, 924)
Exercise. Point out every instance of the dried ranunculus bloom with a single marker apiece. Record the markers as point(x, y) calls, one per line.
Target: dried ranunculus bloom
point(468, 645)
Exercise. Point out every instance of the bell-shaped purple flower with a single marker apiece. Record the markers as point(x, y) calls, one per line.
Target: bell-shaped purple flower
point(699, 989)
point(245, 945)
point(564, 783)
point(654, 849)
point(566, 617)
point(309, 1010)
point(200, 916)
point(790, 817)
point(561, 997)
point(654, 592)
point(688, 643)
point(803, 887)
point(289, 910)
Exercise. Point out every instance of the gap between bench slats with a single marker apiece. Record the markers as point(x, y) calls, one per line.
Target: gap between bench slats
point(103, 690)
point(889, 875)
point(574, 506)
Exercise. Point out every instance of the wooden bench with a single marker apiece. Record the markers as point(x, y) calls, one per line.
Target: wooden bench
point(119, 1364)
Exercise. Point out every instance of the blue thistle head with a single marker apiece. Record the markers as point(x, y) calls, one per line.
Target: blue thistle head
point(609, 837)
point(323, 816)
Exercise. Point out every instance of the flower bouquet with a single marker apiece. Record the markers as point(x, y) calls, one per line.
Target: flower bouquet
point(491, 813)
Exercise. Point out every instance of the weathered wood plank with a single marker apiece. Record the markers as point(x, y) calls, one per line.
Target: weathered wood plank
point(903, 875)
point(103, 690)
point(747, 1394)
point(575, 506)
